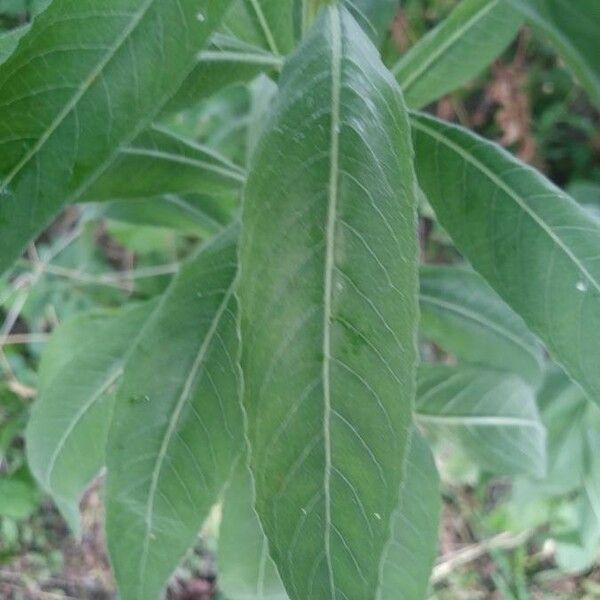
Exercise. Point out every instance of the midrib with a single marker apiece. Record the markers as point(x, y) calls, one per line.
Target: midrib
point(336, 60)
point(82, 89)
point(173, 421)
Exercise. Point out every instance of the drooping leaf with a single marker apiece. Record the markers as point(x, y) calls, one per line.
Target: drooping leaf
point(246, 571)
point(468, 319)
point(492, 415)
point(532, 243)
point(413, 546)
point(86, 80)
point(457, 50)
point(193, 214)
point(160, 162)
point(67, 431)
point(572, 27)
point(177, 426)
point(328, 312)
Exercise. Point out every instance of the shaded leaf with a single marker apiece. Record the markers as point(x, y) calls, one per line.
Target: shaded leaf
point(457, 50)
point(328, 297)
point(177, 427)
point(79, 372)
point(492, 415)
point(160, 162)
point(468, 319)
point(86, 80)
point(532, 243)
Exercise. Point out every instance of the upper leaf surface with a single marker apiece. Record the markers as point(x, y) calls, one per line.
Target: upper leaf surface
point(492, 415)
point(177, 427)
point(329, 309)
point(88, 77)
point(468, 319)
point(457, 50)
point(80, 370)
point(532, 243)
point(572, 26)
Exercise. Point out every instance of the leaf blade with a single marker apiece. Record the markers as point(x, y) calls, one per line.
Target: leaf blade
point(321, 211)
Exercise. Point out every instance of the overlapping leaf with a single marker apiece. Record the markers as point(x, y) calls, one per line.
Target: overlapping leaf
point(492, 415)
point(457, 50)
point(86, 80)
point(532, 243)
point(468, 319)
point(80, 371)
point(328, 297)
point(177, 426)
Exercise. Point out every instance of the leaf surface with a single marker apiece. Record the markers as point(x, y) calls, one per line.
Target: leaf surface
point(86, 80)
point(79, 373)
point(328, 297)
point(532, 243)
point(177, 428)
point(468, 319)
point(161, 162)
point(491, 415)
point(572, 27)
point(457, 50)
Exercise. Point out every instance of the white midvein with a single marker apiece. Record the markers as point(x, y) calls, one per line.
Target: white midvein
point(521, 202)
point(173, 421)
point(477, 421)
point(336, 60)
point(440, 49)
point(265, 27)
point(81, 90)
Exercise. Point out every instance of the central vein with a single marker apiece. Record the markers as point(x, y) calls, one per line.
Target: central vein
point(336, 60)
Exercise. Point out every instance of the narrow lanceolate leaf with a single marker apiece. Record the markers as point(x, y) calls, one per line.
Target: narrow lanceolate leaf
point(468, 319)
point(80, 370)
point(161, 162)
point(533, 244)
point(177, 427)
point(491, 415)
point(413, 546)
point(457, 50)
point(254, 37)
point(246, 571)
point(194, 214)
point(572, 27)
point(86, 80)
point(329, 309)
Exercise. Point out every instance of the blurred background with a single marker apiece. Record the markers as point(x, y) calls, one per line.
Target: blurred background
point(501, 537)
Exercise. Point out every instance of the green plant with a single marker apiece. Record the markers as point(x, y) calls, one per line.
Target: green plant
point(272, 368)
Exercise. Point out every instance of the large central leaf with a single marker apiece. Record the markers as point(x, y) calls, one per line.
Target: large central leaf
point(88, 77)
point(329, 307)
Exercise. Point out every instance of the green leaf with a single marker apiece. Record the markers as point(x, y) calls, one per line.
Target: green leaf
point(457, 50)
point(79, 372)
point(532, 243)
point(374, 16)
point(491, 415)
point(572, 27)
point(177, 428)
point(468, 319)
point(160, 162)
point(193, 214)
point(413, 546)
point(246, 571)
point(19, 497)
point(86, 80)
point(564, 408)
point(328, 291)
